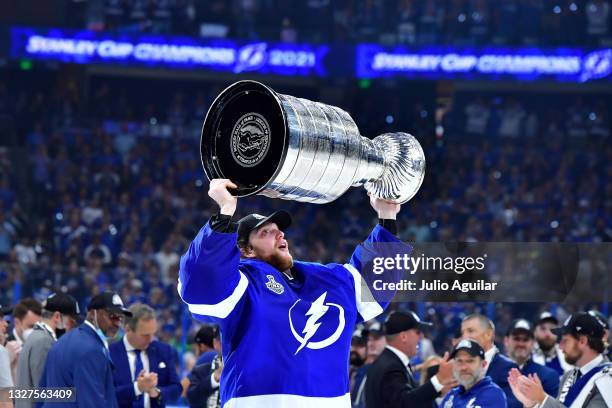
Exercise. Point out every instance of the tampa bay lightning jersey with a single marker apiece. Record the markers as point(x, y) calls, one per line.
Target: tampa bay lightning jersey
point(284, 345)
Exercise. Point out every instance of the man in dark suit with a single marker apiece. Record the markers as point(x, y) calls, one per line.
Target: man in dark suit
point(390, 382)
point(480, 328)
point(145, 369)
point(203, 391)
point(80, 358)
point(519, 342)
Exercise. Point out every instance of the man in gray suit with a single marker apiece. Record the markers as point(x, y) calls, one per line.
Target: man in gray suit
point(59, 314)
point(589, 385)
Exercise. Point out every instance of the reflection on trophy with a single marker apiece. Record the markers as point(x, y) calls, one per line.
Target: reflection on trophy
point(285, 147)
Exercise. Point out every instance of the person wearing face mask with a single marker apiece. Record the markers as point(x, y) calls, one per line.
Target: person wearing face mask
point(59, 314)
point(26, 314)
point(81, 358)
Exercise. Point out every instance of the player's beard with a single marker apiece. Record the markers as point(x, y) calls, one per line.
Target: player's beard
point(468, 380)
point(572, 356)
point(281, 261)
point(546, 344)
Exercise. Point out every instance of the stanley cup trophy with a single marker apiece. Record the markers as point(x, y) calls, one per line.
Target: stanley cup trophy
point(284, 147)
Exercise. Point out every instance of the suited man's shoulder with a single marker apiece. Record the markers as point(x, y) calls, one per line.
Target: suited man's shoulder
point(504, 361)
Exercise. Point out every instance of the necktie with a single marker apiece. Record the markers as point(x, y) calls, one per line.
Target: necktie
point(139, 402)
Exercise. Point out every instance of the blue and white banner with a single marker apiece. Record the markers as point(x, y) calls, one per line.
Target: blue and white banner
point(86, 47)
point(523, 64)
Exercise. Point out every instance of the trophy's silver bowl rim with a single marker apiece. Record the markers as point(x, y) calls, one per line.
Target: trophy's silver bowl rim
point(272, 93)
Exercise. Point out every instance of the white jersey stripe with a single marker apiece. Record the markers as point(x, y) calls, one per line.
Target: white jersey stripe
point(288, 401)
point(223, 308)
point(367, 306)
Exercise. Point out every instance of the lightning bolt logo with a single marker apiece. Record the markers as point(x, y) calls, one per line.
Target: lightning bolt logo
point(317, 311)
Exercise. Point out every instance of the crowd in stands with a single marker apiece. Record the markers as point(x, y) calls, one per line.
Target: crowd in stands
point(408, 22)
point(109, 191)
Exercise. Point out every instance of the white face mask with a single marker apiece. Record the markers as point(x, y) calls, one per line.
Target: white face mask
point(26, 333)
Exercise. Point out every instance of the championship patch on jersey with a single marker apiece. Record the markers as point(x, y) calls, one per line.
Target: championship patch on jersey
point(274, 286)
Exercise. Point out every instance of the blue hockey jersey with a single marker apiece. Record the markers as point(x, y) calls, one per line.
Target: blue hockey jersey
point(284, 344)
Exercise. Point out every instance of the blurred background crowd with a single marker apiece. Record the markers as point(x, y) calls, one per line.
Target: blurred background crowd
point(101, 185)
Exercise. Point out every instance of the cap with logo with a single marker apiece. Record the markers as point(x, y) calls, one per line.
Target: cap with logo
point(469, 345)
point(601, 317)
point(206, 335)
point(546, 317)
point(375, 329)
point(520, 326)
point(109, 301)
point(63, 303)
point(581, 323)
point(401, 321)
point(253, 221)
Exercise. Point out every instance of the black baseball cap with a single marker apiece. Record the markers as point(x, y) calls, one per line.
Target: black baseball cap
point(63, 303)
point(253, 221)
point(400, 321)
point(108, 301)
point(471, 346)
point(520, 325)
point(5, 310)
point(581, 323)
point(206, 335)
point(601, 317)
point(546, 317)
point(375, 329)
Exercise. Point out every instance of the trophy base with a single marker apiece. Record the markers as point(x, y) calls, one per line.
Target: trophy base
point(244, 145)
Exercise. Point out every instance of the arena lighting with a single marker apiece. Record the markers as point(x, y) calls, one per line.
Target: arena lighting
point(85, 47)
point(564, 65)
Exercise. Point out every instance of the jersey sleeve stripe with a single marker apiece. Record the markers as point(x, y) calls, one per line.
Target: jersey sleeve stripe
point(367, 306)
point(223, 308)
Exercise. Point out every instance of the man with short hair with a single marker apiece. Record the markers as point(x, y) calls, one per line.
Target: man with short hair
point(589, 385)
point(519, 346)
point(25, 315)
point(546, 351)
point(480, 328)
point(475, 389)
point(207, 343)
point(390, 382)
point(145, 369)
point(59, 314)
point(81, 359)
point(375, 345)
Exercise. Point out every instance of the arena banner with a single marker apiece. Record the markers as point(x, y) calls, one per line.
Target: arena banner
point(88, 47)
point(489, 271)
point(520, 64)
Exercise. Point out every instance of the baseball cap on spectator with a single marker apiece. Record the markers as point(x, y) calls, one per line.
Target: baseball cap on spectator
point(601, 317)
point(63, 303)
point(471, 346)
point(253, 221)
point(520, 325)
point(581, 323)
point(206, 335)
point(546, 317)
point(108, 301)
point(401, 321)
point(375, 329)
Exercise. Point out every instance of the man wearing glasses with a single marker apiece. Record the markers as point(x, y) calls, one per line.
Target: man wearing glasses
point(81, 359)
point(519, 343)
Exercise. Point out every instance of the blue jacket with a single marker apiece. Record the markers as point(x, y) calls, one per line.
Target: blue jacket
point(484, 394)
point(300, 329)
point(206, 358)
point(498, 371)
point(80, 359)
point(548, 376)
point(162, 361)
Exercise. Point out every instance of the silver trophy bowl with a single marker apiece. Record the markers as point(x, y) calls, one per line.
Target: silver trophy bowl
point(285, 147)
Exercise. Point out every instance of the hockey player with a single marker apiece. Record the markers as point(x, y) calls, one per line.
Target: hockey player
point(286, 326)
